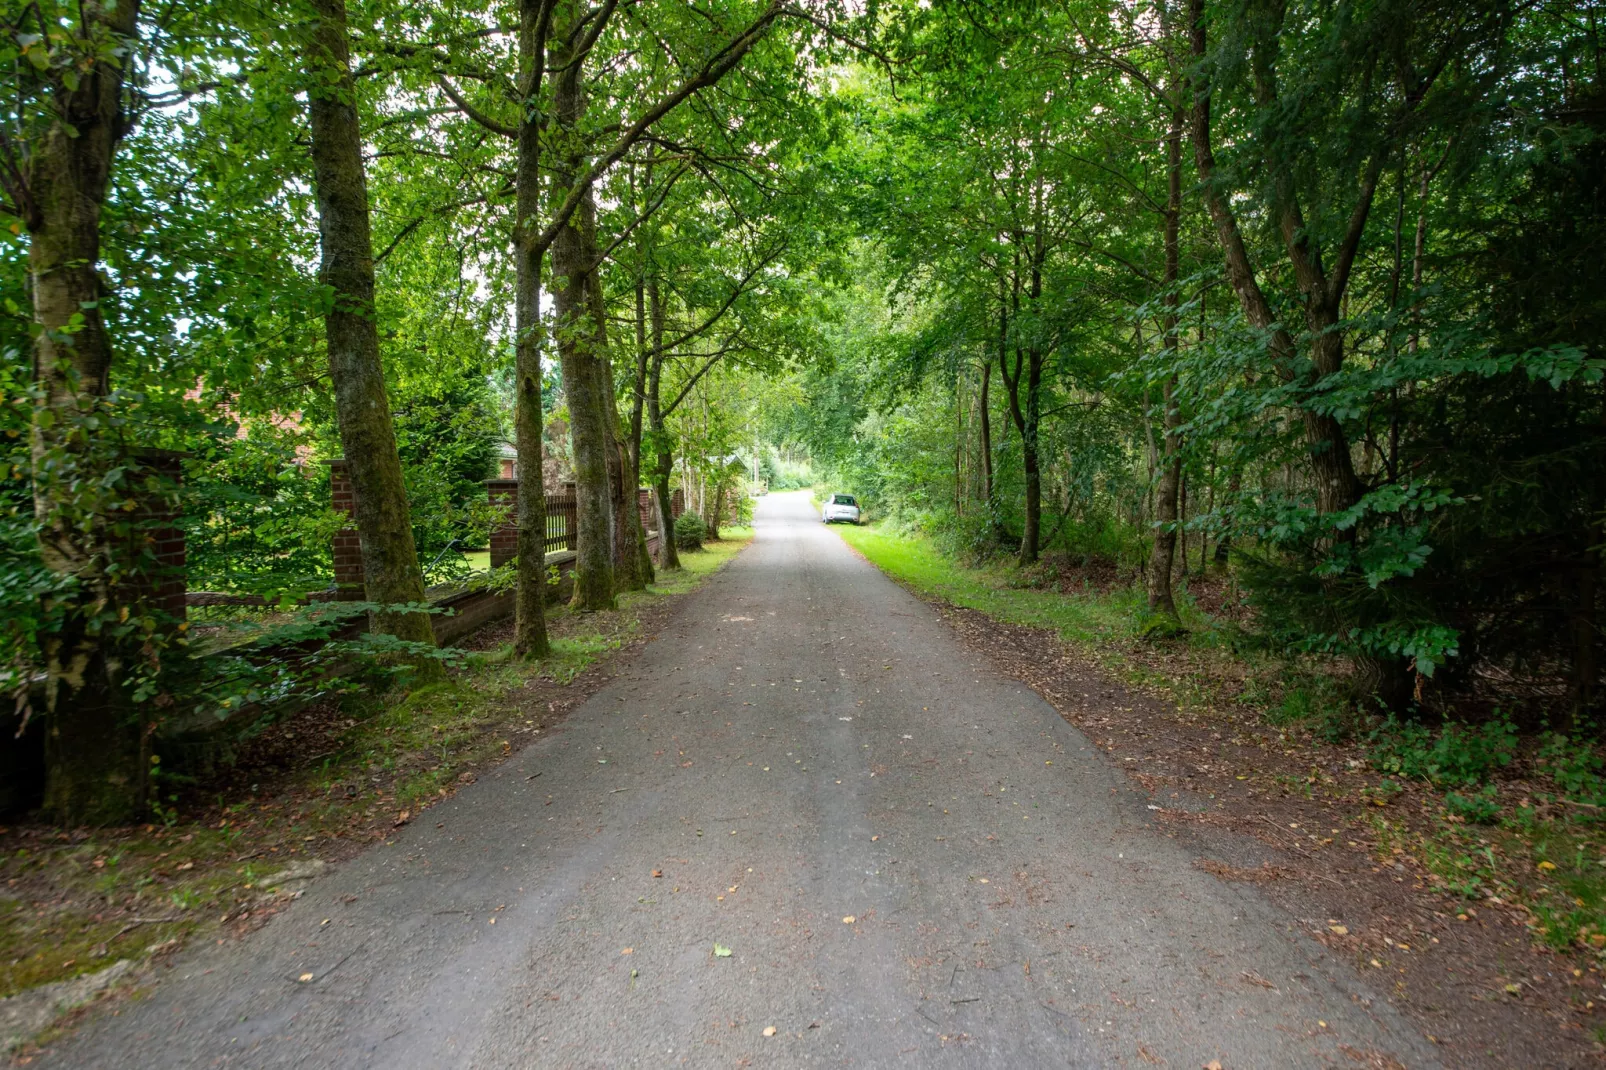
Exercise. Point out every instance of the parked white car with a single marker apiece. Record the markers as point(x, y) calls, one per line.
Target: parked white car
point(841, 507)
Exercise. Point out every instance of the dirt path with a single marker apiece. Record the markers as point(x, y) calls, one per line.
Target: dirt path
point(911, 861)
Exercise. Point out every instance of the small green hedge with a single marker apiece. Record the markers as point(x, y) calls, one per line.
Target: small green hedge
point(690, 531)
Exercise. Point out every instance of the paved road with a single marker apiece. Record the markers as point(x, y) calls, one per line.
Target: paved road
point(913, 861)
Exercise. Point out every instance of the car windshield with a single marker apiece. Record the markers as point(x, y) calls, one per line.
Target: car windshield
point(843, 499)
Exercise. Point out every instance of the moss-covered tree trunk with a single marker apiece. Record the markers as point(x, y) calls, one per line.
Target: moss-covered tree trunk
point(94, 741)
point(1161, 600)
point(579, 338)
point(362, 407)
point(529, 630)
point(664, 466)
point(628, 574)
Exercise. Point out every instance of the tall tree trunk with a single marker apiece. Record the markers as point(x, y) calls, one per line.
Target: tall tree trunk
point(529, 628)
point(1030, 464)
point(717, 507)
point(1161, 599)
point(984, 411)
point(579, 352)
point(362, 408)
point(628, 538)
point(629, 541)
point(1031, 418)
point(1235, 484)
point(1338, 487)
point(668, 553)
point(94, 739)
point(633, 430)
point(1019, 416)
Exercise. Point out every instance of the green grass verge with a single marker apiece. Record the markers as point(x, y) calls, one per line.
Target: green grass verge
point(916, 562)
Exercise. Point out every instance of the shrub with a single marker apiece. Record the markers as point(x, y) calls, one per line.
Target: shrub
point(690, 532)
point(1479, 807)
point(1575, 768)
point(1457, 755)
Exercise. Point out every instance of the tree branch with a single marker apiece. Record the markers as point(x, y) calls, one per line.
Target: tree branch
point(720, 64)
point(643, 216)
point(472, 112)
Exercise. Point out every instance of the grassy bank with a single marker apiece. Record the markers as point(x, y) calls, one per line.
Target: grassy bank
point(1483, 814)
point(319, 784)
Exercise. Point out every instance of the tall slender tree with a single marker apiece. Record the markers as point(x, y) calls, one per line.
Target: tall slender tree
point(362, 404)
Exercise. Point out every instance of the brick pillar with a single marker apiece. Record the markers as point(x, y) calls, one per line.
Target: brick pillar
point(504, 494)
point(349, 582)
point(644, 509)
point(677, 503)
point(164, 586)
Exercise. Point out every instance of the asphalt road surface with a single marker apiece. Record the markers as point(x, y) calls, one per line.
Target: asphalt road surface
point(911, 860)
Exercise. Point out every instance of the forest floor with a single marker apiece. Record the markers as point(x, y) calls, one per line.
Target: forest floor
point(1458, 920)
point(314, 787)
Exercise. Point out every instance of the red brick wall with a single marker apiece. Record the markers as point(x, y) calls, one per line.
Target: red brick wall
point(504, 494)
point(347, 546)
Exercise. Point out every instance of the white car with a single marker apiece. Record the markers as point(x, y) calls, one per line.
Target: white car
point(841, 507)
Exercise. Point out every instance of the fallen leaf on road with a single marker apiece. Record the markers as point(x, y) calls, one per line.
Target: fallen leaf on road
point(657, 873)
point(1339, 930)
point(627, 951)
point(1213, 1064)
point(304, 978)
point(769, 1030)
point(401, 818)
point(721, 952)
point(849, 920)
point(1514, 989)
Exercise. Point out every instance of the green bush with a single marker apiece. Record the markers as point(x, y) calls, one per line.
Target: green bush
point(1479, 807)
point(1457, 755)
point(1575, 768)
point(690, 531)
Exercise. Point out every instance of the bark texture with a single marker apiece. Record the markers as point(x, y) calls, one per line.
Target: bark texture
point(529, 629)
point(664, 466)
point(95, 739)
point(1025, 386)
point(1321, 286)
point(581, 349)
point(1161, 599)
point(362, 406)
